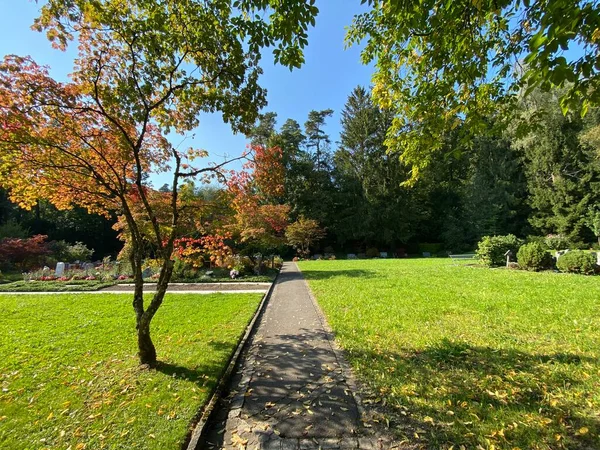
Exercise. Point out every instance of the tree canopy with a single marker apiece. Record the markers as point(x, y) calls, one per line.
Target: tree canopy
point(144, 69)
point(441, 64)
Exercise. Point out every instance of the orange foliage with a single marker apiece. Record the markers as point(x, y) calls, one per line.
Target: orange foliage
point(194, 251)
point(56, 144)
point(258, 217)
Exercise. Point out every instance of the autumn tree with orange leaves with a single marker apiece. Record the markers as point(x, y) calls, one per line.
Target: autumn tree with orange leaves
point(259, 218)
point(143, 70)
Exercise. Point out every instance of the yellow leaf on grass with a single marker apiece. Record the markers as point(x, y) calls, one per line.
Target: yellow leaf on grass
point(428, 419)
point(583, 430)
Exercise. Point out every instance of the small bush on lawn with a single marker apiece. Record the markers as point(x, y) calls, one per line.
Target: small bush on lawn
point(577, 261)
point(491, 249)
point(534, 256)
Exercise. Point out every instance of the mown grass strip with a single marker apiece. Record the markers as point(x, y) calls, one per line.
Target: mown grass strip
point(70, 375)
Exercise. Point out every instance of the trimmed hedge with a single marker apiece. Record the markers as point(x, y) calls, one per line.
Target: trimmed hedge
point(534, 256)
point(491, 249)
point(577, 261)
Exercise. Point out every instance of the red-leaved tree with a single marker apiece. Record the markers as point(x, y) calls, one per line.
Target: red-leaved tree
point(24, 253)
point(259, 218)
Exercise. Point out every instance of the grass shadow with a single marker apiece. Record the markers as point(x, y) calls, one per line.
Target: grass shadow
point(197, 374)
point(329, 274)
point(454, 393)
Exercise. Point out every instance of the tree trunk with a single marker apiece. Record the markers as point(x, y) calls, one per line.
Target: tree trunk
point(146, 350)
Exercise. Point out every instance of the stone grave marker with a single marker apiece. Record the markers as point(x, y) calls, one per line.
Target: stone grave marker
point(60, 269)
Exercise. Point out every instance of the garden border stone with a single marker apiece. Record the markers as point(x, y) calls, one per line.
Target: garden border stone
point(209, 409)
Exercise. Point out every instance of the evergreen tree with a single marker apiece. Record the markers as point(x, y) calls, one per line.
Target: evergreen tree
point(496, 190)
point(316, 137)
point(563, 173)
point(375, 209)
point(264, 129)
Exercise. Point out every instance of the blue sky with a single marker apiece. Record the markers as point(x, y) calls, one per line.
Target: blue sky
point(325, 81)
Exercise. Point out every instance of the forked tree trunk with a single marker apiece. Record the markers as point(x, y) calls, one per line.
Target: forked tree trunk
point(146, 349)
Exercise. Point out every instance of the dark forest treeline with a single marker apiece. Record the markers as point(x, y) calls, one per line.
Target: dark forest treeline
point(538, 175)
point(72, 226)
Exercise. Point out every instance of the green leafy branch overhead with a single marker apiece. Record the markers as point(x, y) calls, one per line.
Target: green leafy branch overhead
point(443, 63)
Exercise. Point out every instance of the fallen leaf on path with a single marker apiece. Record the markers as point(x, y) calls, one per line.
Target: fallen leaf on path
point(236, 440)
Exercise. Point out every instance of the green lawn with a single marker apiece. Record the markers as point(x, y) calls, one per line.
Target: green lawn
point(70, 376)
point(470, 356)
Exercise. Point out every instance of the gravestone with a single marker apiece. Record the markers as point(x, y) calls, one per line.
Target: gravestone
point(147, 273)
point(317, 256)
point(383, 254)
point(351, 256)
point(88, 266)
point(60, 269)
point(426, 254)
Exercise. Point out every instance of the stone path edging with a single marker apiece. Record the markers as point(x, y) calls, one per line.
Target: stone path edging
point(225, 378)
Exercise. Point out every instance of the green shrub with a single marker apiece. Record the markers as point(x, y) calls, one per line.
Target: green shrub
point(190, 274)
point(577, 261)
point(534, 256)
point(243, 264)
point(557, 242)
point(178, 270)
point(372, 252)
point(278, 262)
point(491, 249)
point(13, 229)
point(63, 251)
